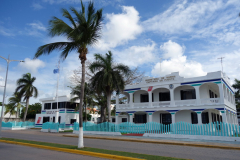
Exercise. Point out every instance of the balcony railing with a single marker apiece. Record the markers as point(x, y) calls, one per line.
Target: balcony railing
point(210, 101)
point(185, 102)
point(141, 105)
point(161, 104)
point(124, 105)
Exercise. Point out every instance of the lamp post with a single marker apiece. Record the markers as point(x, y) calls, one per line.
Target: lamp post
point(5, 86)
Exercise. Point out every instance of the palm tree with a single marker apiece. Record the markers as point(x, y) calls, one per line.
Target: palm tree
point(83, 31)
point(10, 108)
point(26, 89)
point(16, 101)
point(109, 78)
point(87, 98)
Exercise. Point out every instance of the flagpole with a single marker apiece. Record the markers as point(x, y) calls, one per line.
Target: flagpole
point(57, 112)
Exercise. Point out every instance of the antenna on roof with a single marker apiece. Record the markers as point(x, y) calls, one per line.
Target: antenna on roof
point(221, 62)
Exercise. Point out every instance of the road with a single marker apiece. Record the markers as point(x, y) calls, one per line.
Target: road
point(13, 152)
point(187, 152)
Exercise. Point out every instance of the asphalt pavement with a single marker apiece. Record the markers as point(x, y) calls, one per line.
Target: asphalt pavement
point(177, 151)
point(18, 152)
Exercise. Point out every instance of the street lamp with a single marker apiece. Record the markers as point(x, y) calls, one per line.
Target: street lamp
point(5, 86)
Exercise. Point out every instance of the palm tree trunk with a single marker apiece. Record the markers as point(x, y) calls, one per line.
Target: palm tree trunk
point(109, 106)
point(80, 139)
point(102, 114)
point(25, 114)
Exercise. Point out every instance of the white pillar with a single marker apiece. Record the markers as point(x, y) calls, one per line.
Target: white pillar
point(198, 99)
point(131, 100)
point(116, 118)
point(221, 92)
point(199, 114)
point(173, 118)
point(56, 116)
point(150, 99)
point(172, 97)
point(224, 116)
point(150, 117)
point(117, 101)
point(131, 118)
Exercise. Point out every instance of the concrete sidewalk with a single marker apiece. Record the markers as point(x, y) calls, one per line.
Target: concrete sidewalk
point(185, 142)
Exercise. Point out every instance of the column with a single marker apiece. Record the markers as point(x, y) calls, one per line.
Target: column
point(117, 101)
point(150, 116)
point(199, 115)
point(198, 100)
point(221, 92)
point(172, 97)
point(131, 117)
point(116, 118)
point(131, 100)
point(150, 99)
point(56, 116)
point(224, 116)
point(173, 117)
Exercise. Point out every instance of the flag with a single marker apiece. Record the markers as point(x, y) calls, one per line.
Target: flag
point(56, 71)
point(150, 88)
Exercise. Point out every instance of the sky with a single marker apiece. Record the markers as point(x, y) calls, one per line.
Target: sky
point(187, 36)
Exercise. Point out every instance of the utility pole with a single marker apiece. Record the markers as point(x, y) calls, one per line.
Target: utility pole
point(221, 62)
point(5, 86)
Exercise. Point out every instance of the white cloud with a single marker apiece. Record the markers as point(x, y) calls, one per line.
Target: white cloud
point(5, 32)
point(120, 28)
point(38, 26)
point(177, 62)
point(31, 65)
point(36, 6)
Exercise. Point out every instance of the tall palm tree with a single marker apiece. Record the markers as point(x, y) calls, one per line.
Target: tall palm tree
point(109, 78)
point(83, 31)
point(16, 101)
point(26, 89)
point(10, 108)
point(87, 98)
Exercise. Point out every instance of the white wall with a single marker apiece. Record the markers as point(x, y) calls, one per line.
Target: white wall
point(156, 93)
point(183, 116)
point(156, 116)
point(136, 95)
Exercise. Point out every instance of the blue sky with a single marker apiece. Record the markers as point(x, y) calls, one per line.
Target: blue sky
point(189, 36)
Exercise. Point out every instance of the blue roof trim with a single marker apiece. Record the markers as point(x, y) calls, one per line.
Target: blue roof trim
point(149, 111)
point(172, 110)
point(134, 89)
point(220, 109)
point(70, 110)
point(197, 109)
point(201, 81)
point(43, 111)
point(227, 86)
point(62, 110)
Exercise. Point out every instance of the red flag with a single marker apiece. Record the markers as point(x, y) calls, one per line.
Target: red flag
point(150, 88)
point(39, 119)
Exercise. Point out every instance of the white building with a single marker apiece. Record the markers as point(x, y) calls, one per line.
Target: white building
point(66, 111)
point(172, 98)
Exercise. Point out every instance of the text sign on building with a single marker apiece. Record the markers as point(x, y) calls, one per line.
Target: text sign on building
point(161, 79)
point(50, 112)
point(150, 88)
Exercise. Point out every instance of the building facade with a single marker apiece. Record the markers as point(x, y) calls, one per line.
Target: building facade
point(173, 98)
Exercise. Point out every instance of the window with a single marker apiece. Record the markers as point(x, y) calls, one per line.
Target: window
point(205, 117)
point(216, 96)
point(70, 105)
point(140, 118)
point(166, 118)
point(45, 119)
point(211, 94)
point(53, 119)
point(54, 105)
point(72, 121)
point(164, 96)
point(59, 119)
point(61, 104)
point(144, 98)
point(194, 118)
point(188, 94)
point(47, 106)
point(124, 119)
point(113, 120)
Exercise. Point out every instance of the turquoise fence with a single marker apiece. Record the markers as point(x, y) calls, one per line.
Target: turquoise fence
point(14, 124)
point(210, 129)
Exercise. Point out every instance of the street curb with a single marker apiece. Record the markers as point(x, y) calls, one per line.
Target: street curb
point(160, 142)
point(87, 153)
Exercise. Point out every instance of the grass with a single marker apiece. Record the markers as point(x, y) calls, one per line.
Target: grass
point(119, 153)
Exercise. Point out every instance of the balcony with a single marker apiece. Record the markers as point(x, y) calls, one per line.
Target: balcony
point(176, 103)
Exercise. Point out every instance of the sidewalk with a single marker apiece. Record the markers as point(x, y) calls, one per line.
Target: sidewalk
point(185, 142)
